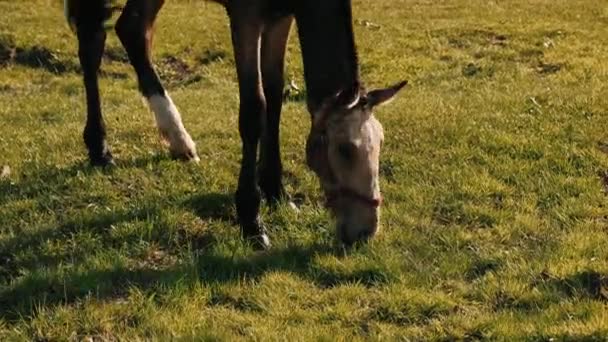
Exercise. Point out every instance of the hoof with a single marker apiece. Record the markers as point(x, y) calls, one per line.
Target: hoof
point(188, 156)
point(181, 146)
point(255, 234)
point(260, 242)
point(184, 150)
point(102, 161)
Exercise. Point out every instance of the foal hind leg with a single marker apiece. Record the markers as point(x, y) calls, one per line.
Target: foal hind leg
point(246, 32)
point(274, 42)
point(134, 28)
point(91, 42)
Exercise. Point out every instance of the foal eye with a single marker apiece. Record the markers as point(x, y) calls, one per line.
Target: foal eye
point(347, 151)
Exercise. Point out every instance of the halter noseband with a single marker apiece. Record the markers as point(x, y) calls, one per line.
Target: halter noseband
point(343, 192)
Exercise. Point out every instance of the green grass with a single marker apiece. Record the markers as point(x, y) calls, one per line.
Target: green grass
point(494, 170)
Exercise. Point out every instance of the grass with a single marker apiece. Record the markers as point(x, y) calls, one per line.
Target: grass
point(494, 170)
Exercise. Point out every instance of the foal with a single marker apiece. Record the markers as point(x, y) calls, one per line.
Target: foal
point(343, 146)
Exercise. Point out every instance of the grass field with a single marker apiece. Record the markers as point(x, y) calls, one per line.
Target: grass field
point(494, 171)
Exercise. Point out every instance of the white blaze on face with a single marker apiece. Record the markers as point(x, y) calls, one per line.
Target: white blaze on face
point(171, 128)
point(356, 170)
point(365, 133)
point(375, 139)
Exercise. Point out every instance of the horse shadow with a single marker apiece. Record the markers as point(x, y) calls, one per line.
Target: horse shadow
point(35, 57)
point(32, 184)
point(40, 181)
point(217, 206)
point(40, 279)
point(29, 295)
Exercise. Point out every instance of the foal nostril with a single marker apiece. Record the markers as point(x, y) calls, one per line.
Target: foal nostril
point(349, 236)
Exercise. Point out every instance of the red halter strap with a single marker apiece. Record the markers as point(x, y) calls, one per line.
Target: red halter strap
point(349, 193)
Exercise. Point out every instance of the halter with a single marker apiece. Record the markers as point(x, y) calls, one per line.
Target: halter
point(344, 192)
point(319, 124)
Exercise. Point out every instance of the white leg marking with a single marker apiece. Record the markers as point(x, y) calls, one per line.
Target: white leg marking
point(171, 128)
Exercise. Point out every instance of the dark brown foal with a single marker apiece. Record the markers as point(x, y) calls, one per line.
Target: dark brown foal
point(344, 143)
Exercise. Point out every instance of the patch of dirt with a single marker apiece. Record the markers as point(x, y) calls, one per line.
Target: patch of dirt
point(156, 259)
point(471, 70)
point(499, 39)
point(210, 57)
point(589, 284)
point(38, 57)
point(548, 68)
point(475, 70)
point(50, 118)
point(465, 39)
point(531, 55)
point(458, 43)
point(175, 64)
point(175, 72)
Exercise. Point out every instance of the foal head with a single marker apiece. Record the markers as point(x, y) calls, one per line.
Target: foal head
point(343, 149)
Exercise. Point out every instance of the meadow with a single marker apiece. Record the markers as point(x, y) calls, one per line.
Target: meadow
point(494, 173)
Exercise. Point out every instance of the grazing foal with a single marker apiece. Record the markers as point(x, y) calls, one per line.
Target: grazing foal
point(343, 146)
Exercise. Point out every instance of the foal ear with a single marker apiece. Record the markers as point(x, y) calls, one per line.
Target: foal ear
point(349, 97)
point(382, 96)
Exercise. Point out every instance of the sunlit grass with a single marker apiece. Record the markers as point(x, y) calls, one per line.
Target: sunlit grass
point(494, 173)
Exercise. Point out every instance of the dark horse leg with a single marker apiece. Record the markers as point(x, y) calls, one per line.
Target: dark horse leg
point(134, 28)
point(91, 41)
point(246, 30)
point(274, 42)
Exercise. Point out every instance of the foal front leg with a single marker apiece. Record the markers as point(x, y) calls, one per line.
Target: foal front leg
point(91, 42)
point(274, 42)
point(134, 28)
point(246, 44)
